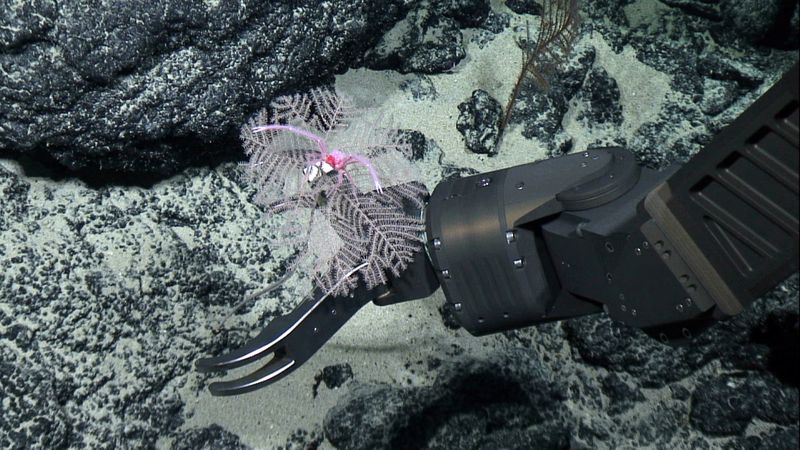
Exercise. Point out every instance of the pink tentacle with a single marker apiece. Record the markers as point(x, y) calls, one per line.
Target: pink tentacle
point(323, 147)
point(372, 172)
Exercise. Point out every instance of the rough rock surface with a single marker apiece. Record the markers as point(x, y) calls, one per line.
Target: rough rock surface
point(102, 95)
point(478, 121)
point(428, 40)
point(509, 400)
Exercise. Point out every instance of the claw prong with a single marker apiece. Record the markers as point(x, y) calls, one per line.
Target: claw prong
point(276, 368)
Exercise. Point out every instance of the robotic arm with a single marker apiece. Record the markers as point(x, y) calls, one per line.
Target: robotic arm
point(669, 252)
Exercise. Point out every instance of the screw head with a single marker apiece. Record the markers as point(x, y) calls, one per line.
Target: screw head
point(445, 274)
point(484, 182)
point(457, 306)
point(519, 263)
point(437, 243)
point(511, 236)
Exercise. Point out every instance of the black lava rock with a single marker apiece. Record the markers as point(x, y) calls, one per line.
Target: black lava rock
point(472, 404)
point(14, 192)
point(541, 111)
point(101, 95)
point(781, 333)
point(727, 405)
point(422, 43)
point(468, 13)
point(210, 437)
point(777, 438)
point(478, 121)
point(775, 24)
point(417, 141)
point(622, 396)
point(601, 94)
point(302, 439)
point(718, 96)
point(701, 8)
point(32, 415)
point(617, 347)
point(525, 6)
point(333, 376)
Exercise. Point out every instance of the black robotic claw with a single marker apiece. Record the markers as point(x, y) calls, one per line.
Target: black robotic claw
point(292, 339)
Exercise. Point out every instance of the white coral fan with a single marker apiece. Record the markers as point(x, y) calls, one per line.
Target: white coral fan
point(345, 183)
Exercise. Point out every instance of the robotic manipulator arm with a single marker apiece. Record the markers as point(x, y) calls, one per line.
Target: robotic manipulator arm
point(667, 251)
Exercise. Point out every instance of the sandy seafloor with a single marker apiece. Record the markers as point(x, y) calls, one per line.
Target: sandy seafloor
point(128, 254)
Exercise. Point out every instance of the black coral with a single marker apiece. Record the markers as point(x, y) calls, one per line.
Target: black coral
point(345, 175)
point(542, 56)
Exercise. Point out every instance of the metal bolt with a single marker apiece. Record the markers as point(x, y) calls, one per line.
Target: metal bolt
point(457, 306)
point(623, 308)
point(518, 263)
point(446, 274)
point(511, 236)
point(688, 301)
point(437, 243)
point(645, 245)
point(679, 308)
point(585, 154)
point(520, 186)
point(637, 251)
point(485, 182)
point(633, 312)
point(579, 229)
